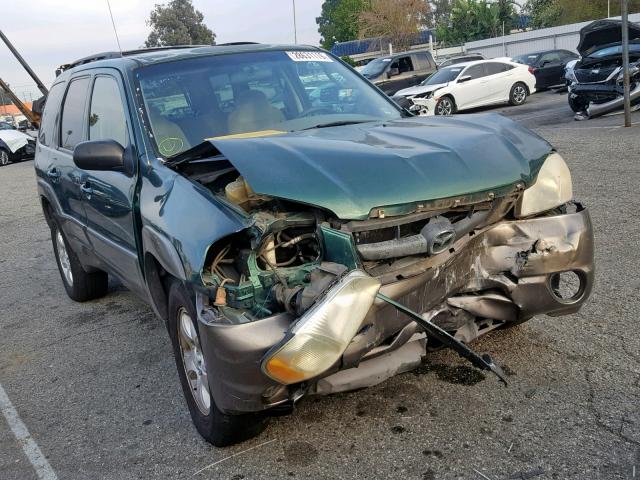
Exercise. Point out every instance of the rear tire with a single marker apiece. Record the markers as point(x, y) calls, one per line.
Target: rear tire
point(216, 427)
point(518, 94)
point(446, 106)
point(80, 285)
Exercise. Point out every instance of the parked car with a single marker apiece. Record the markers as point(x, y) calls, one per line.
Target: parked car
point(596, 80)
point(470, 85)
point(461, 59)
point(399, 71)
point(15, 146)
point(285, 244)
point(6, 126)
point(548, 66)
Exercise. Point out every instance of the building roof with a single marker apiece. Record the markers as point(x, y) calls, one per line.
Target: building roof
point(11, 109)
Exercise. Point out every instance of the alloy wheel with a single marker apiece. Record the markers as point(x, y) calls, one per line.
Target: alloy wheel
point(193, 362)
point(63, 256)
point(444, 107)
point(4, 158)
point(519, 94)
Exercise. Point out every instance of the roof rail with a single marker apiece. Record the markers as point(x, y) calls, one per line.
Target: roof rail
point(231, 44)
point(109, 55)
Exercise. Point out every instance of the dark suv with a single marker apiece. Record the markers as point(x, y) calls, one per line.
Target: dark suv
point(297, 231)
point(399, 71)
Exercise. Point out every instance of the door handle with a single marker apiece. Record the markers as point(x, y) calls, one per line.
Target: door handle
point(86, 189)
point(53, 173)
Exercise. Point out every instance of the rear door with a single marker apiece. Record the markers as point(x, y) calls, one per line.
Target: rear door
point(63, 172)
point(108, 196)
point(499, 81)
point(424, 65)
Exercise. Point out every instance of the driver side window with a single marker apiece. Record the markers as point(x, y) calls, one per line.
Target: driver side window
point(403, 64)
point(475, 71)
point(107, 120)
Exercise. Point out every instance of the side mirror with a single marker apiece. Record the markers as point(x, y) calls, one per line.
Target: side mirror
point(393, 72)
point(102, 155)
point(464, 78)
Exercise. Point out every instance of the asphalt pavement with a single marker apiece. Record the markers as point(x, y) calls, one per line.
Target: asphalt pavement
point(96, 386)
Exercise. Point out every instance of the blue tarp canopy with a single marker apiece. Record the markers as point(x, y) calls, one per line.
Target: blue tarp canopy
point(355, 47)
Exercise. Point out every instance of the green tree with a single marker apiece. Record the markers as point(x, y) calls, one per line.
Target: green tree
point(550, 13)
point(338, 21)
point(398, 21)
point(476, 19)
point(178, 23)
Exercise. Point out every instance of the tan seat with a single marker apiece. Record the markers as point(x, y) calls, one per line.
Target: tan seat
point(254, 113)
point(169, 136)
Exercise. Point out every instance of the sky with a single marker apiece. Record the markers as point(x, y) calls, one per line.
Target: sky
point(53, 32)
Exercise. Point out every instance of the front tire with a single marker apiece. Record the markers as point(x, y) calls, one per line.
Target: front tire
point(518, 94)
point(445, 106)
point(4, 157)
point(215, 426)
point(578, 104)
point(80, 285)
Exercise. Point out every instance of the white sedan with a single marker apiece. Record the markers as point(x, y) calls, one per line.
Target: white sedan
point(470, 85)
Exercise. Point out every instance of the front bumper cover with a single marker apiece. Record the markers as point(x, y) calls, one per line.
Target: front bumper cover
point(516, 258)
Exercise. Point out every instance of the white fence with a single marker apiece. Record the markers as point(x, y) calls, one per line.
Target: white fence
point(564, 37)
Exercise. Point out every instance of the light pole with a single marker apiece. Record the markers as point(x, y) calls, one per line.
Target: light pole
point(625, 63)
point(295, 27)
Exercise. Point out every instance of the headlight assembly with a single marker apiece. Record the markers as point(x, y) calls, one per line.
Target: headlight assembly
point(322, 334)
point(424, 95)
point(552, 188)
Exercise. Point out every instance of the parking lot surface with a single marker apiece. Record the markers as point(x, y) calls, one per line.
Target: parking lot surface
point(97, 388)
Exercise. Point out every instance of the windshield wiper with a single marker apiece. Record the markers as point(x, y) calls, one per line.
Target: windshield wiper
point(337, 124)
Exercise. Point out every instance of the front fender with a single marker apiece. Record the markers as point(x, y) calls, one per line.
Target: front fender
point(181, 220)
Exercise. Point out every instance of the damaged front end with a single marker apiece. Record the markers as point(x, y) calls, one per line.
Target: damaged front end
point(305, 302)
point(596, 80)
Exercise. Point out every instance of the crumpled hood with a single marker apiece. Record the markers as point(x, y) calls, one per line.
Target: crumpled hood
point(604, 32)
point(411, 91)
point(353, 169)
point(14, 139)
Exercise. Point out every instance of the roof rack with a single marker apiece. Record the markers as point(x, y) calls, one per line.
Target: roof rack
point(110, 55)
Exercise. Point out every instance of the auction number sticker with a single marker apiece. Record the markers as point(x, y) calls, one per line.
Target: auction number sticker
point(309, 57)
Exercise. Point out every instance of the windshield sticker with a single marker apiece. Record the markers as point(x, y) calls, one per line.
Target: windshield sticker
point(309, 57)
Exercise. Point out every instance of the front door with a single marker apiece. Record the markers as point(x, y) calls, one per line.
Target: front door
point(108, 195)
point(472, 92)
point(550, 70)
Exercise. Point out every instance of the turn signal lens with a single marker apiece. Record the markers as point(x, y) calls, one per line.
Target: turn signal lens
point(322, 334)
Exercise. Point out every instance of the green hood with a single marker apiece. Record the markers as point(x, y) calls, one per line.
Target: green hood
point(353, 169)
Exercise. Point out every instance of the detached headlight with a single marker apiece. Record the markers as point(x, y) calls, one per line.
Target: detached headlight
point(424, 95)
point(323, 333)
point(552, 188)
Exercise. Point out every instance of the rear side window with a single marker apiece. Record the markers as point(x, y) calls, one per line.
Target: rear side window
point(107, 120)
point(71, 131)
point(50, 114)
point(495, 67)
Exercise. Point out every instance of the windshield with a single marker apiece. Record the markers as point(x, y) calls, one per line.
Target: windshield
point(256, 93)
point(614, 50)
point(526, 59)
point(444, 75)
point(375, 67)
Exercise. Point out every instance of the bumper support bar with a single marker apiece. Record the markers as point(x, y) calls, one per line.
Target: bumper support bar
point(483, 362)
